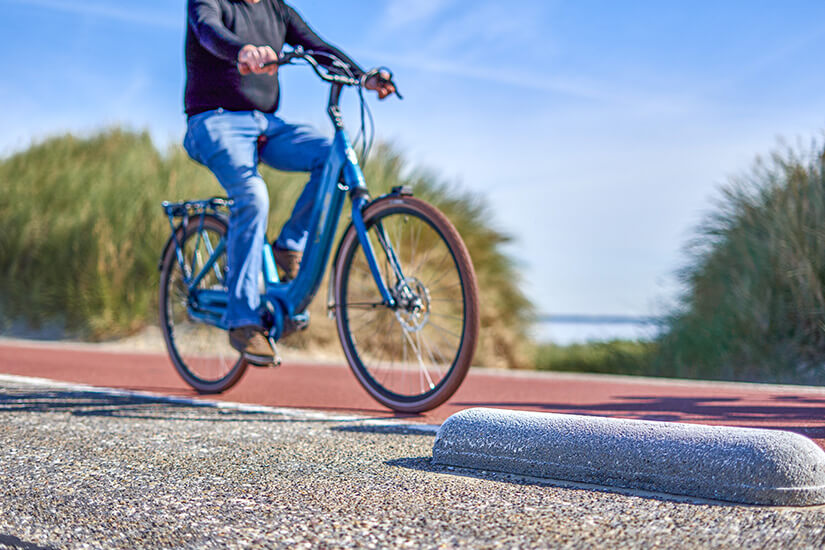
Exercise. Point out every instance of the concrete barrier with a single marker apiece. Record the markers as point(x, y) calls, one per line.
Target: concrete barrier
point(745, 465)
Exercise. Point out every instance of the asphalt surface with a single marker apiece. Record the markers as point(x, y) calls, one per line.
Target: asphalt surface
point(91, 469)
point(82, 469)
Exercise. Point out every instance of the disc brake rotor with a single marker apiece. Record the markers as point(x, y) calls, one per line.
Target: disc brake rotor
point(413, 300)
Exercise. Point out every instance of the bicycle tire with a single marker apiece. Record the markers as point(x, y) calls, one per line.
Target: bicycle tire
point(357, 300)
point(200, 352)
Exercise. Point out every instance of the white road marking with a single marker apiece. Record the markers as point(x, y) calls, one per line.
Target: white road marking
point(297, 414)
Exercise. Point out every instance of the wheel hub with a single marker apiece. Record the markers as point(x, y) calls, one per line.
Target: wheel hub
point(413, 299)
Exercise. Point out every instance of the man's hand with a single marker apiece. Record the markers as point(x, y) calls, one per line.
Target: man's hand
point(251, 59)
point(380, 83)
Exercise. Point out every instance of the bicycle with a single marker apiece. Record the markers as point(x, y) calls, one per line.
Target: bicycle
point(407, 316)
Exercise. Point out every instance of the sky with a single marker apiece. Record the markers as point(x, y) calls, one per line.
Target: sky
point(599, 132)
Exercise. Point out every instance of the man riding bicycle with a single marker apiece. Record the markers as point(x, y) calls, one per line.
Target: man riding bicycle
point(230, 99)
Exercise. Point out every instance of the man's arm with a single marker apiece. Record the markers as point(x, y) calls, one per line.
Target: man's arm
point(298, 33)
point(205, 20)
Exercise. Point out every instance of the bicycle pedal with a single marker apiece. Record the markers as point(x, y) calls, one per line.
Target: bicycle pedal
point(265, 364)
point(270, 365)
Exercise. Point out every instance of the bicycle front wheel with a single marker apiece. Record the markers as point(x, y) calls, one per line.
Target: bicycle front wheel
point(411, 357)
point(200, 352)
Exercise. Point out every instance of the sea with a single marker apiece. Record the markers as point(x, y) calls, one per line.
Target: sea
point(565, 330)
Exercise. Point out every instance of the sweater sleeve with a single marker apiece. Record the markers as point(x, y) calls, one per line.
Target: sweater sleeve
point(205, 20)
point(298, 33)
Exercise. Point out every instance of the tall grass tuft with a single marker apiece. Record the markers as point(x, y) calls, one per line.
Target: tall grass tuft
point(612, 357)
point(754, 305)
point(81, 231)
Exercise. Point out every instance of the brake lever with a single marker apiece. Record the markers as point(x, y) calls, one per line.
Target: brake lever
point(286, 59)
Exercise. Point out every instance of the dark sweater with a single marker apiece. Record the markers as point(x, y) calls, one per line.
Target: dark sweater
point(216, 32)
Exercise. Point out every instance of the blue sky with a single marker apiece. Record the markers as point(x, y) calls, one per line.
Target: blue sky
point(599, 131)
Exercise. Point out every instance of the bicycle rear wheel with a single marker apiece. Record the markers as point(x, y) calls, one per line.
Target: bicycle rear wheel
point(414, 356)
point(200, 352)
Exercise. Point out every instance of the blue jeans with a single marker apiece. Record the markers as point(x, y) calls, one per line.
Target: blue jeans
point(226, 143)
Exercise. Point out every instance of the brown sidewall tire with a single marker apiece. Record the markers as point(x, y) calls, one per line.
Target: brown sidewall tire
point(168, 266)
point(461, 364)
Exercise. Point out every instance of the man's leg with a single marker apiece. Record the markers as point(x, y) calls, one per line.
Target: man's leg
point(296, 148)
point(226, 143)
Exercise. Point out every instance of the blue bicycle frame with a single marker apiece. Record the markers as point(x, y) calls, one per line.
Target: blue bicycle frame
point(287, 302)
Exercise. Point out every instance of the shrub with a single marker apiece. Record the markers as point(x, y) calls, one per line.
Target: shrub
point(81, 231)
point(754, 304)
point(613, 357)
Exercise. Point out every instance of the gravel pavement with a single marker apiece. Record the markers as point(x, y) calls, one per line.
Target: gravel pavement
point(82, 469)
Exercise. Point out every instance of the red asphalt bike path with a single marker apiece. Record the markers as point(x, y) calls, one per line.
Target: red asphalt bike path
point(333, 388)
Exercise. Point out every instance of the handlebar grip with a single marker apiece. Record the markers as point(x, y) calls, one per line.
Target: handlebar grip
point(385, 76)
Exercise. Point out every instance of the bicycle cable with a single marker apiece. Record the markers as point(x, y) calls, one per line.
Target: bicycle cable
point(366, 146)
point(366, 143)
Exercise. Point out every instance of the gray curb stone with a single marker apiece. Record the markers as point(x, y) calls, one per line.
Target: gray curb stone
point(744, 465)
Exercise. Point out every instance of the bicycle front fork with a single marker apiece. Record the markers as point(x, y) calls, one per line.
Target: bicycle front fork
point(359, 204)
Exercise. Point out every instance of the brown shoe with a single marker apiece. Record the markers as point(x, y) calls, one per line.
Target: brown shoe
point(289, 261)
point(253, 344)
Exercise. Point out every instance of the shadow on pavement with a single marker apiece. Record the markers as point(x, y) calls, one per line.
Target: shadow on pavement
point(385, 429)
point(88, 403)
point(14, 542)
point(425, 464)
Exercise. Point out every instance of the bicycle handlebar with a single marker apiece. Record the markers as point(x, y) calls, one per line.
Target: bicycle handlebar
point(338, 81)
point(310, 57)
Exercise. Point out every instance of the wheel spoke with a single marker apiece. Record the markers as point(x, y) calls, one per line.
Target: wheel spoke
point(442, 329)
point(456, 317)
point(412, 358)
point(365, 305)
point(417, 351)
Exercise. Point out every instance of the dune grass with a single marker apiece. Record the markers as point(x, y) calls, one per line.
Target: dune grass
point(754, 305)
point(81, 231)
point(753, 308)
